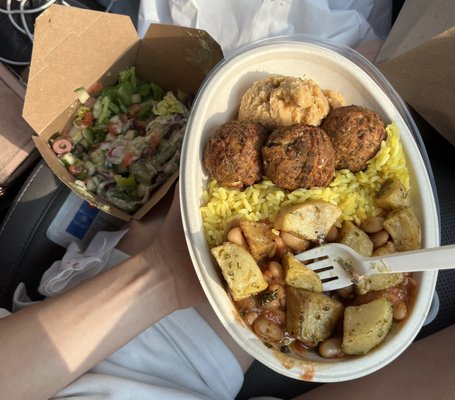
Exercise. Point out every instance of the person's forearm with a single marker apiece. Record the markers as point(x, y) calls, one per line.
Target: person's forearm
point(45, 347)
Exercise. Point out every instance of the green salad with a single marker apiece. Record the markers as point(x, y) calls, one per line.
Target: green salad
point(124, 140)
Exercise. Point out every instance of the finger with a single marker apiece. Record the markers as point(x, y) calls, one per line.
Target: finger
point(143, 232)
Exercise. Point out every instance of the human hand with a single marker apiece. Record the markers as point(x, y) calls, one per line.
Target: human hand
point(169, 252)
point(144, 231)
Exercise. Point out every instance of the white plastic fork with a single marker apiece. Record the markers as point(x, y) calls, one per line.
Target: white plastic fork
point(339, 266)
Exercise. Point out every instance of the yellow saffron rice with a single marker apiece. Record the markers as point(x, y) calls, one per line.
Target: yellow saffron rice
point(354, 193)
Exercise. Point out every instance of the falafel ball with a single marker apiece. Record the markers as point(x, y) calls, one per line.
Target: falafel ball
point(356, 133)
point(299, 156)
point(232, 154)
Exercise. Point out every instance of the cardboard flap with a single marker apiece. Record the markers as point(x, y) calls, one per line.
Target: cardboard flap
point(73, 47)
point(418, 22)
point(16, 144)
point(425, 78)
point(190, 54)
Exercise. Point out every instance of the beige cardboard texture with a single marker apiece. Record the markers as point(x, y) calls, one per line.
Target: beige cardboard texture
point(76, 48)
point(418, 22)
point(72, 48)
point(192, 51)
point(418, 59)
point(17, 150)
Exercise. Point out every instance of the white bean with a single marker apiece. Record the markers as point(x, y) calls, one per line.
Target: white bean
point(248, 303)
point(235, 235)
point(332, 234)
point(372, 224)
point(400, 310)
point(277, 316)
point(273, 296)
point(379, 238)
point(250, 317)
point(280, 247)
point(274, 272)
point(387, 248)
point(268, 330)
point(296, 244)
point(331, 348)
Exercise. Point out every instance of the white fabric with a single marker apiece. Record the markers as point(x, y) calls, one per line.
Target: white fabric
point(77, 265)
point(235, 23)
point(21, 299)
point(180, 357)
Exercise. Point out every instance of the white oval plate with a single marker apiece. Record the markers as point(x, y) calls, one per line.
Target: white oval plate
point(332, 67)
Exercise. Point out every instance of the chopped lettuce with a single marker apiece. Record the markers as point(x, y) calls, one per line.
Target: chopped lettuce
point(157, 91)
point(125, 182)
point(128, 76)
point(125, 91)
point(125, 141)
point(105, 111)
point(169, 105)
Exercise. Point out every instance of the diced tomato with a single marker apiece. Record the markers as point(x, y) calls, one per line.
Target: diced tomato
point(86, 121)
point(128, 159)
point(88, 118)
point(95, 88)
point(134, 109)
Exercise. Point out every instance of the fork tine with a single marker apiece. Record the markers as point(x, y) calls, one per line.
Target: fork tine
point(326, 269)
point(320, 264)
point(311, 254)
point(330, 262)
point(335, 284)
point(327, 275)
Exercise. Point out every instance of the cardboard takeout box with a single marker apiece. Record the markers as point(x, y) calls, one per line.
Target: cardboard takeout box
point(17, 150)
point(75, 48)
point(418, 59)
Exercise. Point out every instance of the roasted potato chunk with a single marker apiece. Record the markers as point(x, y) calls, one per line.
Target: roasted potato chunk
point(311, 316)
point(298, 275)
point(259, 237)
point(310, 220)
point(239, 269)
point(392, 194)
point(366, 326)
point(354, 237)
point(368, 283)
point(404, 228)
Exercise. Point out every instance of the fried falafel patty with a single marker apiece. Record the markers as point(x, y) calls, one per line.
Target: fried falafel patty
point(356, 133)
point(232, 154)
point(299, 156)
